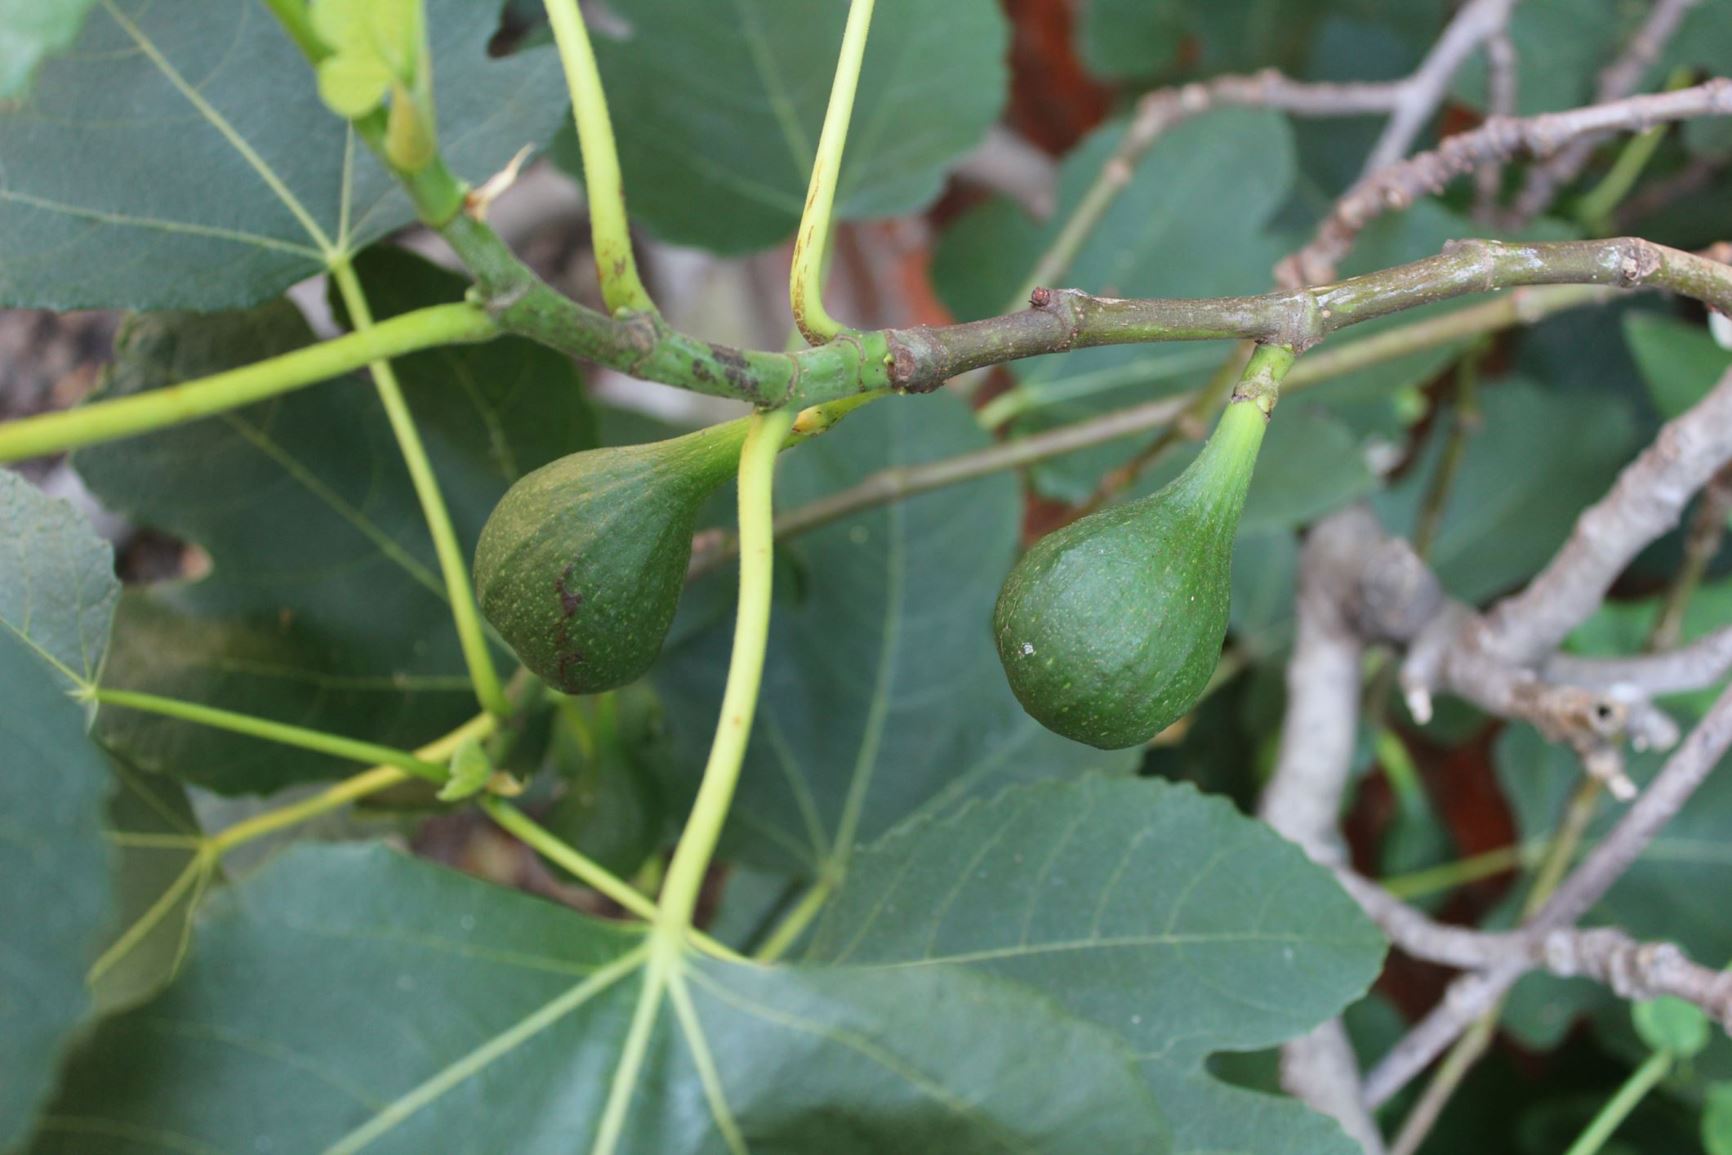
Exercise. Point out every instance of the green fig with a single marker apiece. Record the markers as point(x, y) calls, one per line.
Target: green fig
point(581, 564)
point(1110, 628)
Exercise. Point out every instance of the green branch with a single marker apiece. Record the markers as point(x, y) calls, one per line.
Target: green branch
point(920, 359)
point(812, 242)
point(645, 346)
point(452, 564)
point(610, 228)
point(220, 392)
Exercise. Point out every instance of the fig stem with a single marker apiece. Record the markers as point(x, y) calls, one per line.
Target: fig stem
point(610, 228)
point(697, 845)
point(453, 565)
point(812, 242)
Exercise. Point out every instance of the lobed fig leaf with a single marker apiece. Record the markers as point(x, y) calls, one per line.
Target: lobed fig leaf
point(1110, 628)
point(581, 564)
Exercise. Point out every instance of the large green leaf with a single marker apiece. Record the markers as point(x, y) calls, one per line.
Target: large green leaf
point(719, 108)
point(178, 157)
point(354, 999)
point(57, 591)
point(31, 30)
point(1537, 460)
point(324, 606)
point(1157, 912)
point(882, 693)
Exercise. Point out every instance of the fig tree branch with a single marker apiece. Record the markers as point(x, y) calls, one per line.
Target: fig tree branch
point(1702, 542)
point(1473, 994)
point(920, 359)
point(1303, 798)
point(1695, 666)
point(1631, 968)
point(1159, 111)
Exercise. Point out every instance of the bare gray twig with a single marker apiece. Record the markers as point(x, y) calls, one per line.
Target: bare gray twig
point(1159, 111)
point(1696, 666)
point(1632, 969)
point(1419, 936)
point(1303, 798)
point(1391, 596)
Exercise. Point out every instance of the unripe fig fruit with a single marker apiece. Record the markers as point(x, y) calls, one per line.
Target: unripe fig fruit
point(581, 564)
point(1110, 628)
